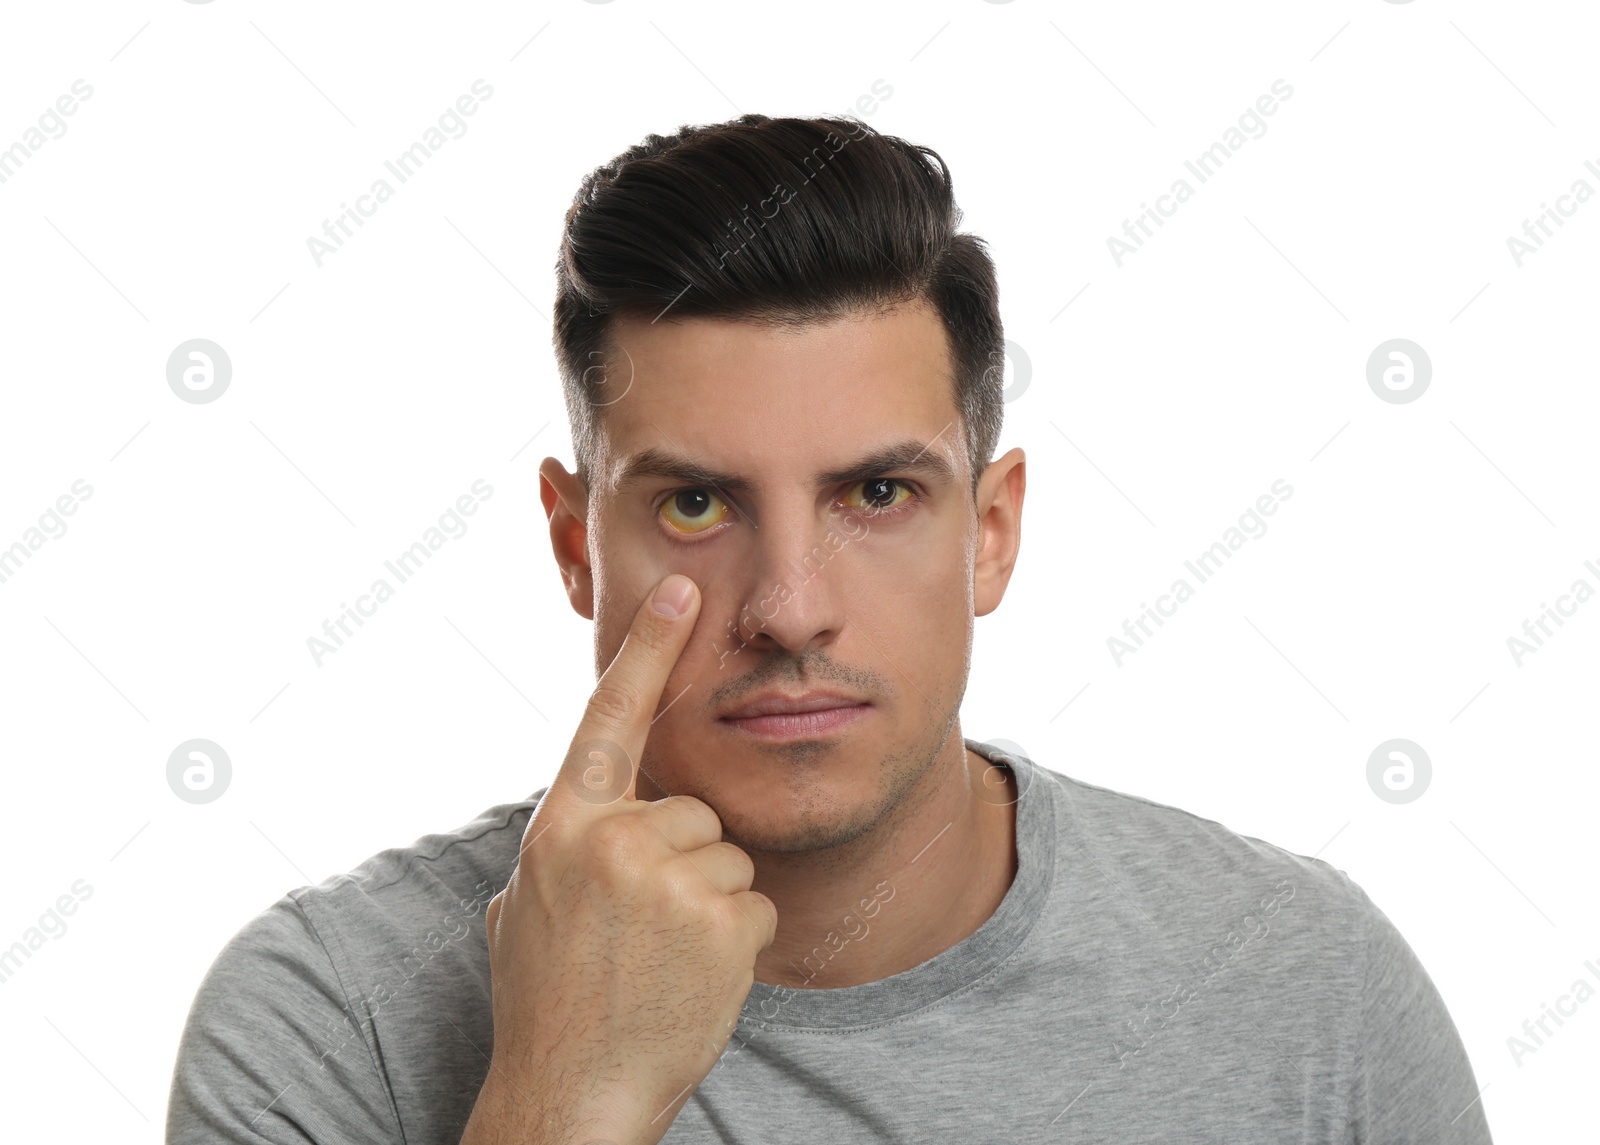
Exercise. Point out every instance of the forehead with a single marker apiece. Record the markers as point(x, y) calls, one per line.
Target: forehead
point(778, 401)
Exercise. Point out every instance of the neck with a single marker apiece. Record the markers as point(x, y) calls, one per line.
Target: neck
point(927, 876)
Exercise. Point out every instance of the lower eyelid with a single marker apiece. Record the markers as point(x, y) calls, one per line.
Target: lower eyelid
point(729, 513)
point(912, 496)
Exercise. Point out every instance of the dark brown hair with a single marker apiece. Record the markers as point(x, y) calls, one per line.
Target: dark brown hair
point(780, 222)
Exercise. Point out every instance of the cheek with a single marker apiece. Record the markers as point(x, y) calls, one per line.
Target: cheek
point(627, 572)
point(621, 583)
point(918, 603)
point(628, 562)
point(920, 570)
point(636, 558)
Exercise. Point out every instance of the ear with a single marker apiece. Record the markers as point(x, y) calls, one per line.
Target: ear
point(566, 503)
point(999, 505)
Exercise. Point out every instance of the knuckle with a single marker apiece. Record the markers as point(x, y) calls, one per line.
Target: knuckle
point(700, 813)
point(686, 891)
point(652, 630)
point(598, 770)
point(614, 844)
point(732, 920)
point(720, 913)
point(764, 911)
point(614, 703)
point(548, 831)
point(739, 861)
point(544, 818)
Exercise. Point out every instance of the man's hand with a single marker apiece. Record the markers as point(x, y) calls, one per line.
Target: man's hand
point(624, 946)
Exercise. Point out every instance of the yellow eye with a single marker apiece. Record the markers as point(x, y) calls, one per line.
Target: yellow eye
point(694, 510)
point(879, 494)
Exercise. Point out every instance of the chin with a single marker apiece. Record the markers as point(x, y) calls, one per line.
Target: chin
point(776, 804)
point(767, 834)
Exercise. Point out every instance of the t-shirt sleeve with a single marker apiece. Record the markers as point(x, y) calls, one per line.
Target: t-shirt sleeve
point(272, 1051)
point(1413, 1082)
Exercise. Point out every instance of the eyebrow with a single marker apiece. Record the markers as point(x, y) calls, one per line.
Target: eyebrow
point(908, 456)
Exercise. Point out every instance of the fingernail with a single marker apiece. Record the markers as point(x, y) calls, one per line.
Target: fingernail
point(672, 598)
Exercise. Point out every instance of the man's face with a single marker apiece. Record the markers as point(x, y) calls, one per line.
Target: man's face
point(831, 530)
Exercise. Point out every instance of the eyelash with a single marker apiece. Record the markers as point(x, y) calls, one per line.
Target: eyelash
point(913, 499)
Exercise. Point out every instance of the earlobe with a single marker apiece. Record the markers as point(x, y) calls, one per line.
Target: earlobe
point(566, 505)
point(999, 506)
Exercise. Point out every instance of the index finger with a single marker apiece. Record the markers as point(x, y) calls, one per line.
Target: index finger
point(602, 764)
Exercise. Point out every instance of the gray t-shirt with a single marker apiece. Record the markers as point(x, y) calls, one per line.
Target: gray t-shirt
point(1149, 976)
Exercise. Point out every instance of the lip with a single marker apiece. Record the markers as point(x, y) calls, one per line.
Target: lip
point(809, 715)
point(783, 704)
point(812, 724)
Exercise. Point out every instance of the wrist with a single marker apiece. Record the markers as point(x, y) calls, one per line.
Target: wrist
point(550, 1107)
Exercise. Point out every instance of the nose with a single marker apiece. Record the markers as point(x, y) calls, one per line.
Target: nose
point(797, 586)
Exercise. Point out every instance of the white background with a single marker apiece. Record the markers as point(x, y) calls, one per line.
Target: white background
point(1165, 396)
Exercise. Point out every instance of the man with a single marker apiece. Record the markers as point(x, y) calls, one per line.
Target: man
point(773, 893)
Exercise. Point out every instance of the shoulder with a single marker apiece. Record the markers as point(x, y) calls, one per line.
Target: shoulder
point(281, 1030)
point(437, 878)
point(264, 1036)
point(1192, 855)
point(1311, 943)
point(1206, 893)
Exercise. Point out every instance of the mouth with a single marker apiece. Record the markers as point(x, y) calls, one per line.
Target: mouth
point(779, 718)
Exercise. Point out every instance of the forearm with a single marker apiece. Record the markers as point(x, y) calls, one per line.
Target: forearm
point(511, 1113)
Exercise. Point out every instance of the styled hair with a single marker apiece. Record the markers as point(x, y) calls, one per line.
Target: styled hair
point(783, 222)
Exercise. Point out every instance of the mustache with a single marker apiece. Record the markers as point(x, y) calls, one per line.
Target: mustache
point(804, 670)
